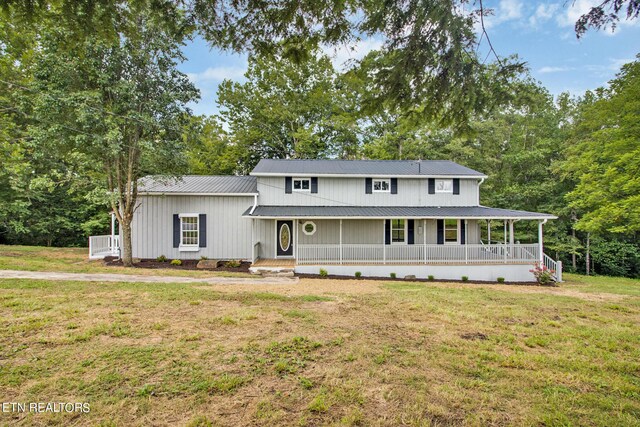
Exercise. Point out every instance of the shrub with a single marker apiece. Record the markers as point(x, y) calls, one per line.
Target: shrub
point(232, 263)
point(323, 272)
point(465, 278)
point(500, 279)
point(430, 277)
point(392, 275)
point(358, 274)
point(203, 258)
point(176, 262)
point(161, 258)
point(543, 274)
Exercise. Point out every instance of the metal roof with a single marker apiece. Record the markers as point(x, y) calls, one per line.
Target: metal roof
point(443, 168)
point(199, 184)
point(469, 212)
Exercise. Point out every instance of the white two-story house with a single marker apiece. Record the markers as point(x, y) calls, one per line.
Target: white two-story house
point(420, 218)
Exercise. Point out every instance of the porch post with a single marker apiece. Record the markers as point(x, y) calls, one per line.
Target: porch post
point(505, 241)
point(540, 241)
point(466, 242)
point(489, 231)
point(424, 239)
point(295, 221)
point(384, 246)
point(340, 240)
point(112, 240)
point(511, 240)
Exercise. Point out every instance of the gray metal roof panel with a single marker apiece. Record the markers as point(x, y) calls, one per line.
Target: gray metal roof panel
point(392, 212)
point(199, 184)
point(363, 167)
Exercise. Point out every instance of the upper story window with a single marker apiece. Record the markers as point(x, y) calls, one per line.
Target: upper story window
point(381, 185)
point(301, 184)
point(444, 186)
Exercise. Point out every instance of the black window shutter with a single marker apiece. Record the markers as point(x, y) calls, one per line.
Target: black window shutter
point(432, 186)
point(288, 184)
point(203, 231)
point(456, 185)
point(368, 185)
point(394, 185)
point(387, 232)
point(314, 184)
point(410, 228)
point(176, 230)
point(462, 232)
point(441, 231)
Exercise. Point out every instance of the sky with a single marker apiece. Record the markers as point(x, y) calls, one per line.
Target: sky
point(539, 32)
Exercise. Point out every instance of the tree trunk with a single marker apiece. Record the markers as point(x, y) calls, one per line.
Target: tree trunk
point(588, 255)
point(127, 258)
point(573, 254)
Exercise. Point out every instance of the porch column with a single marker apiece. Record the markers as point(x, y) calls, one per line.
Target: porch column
point(340, 240)
point(466, 241)
point(112, 240)
point(489, 231)
point(384, 246)
point(295, 235)
point(505, 241)
point(540, 248)
point(424, 239)
point(511, 240)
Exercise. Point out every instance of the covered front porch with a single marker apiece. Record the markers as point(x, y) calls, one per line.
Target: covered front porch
point(460, 237)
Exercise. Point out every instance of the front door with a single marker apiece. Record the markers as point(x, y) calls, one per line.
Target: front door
point(284, 238)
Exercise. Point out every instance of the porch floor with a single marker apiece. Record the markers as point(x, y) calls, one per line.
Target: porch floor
point(269, 262)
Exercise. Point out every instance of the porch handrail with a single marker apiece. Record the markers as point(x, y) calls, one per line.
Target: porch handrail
point(555, 266)
point(101, 246)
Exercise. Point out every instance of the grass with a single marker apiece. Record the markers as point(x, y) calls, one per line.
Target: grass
point(324, 352)
point(75, 260)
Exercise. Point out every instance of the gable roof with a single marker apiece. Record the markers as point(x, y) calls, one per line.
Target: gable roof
point(199, 184)
point(367, 168)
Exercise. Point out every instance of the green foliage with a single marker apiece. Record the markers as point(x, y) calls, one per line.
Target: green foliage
point(431, 277)
point(465, 278)
point(616, 258)
point(323, 272)
point(176, 262)
point(162, 258)
point(358, 274)
point(542, 274)
point(500, 279)
point(392, 275)
point(233, 263)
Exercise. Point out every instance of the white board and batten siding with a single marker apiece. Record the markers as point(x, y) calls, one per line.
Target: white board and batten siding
point(346, 191)
point(228, 233)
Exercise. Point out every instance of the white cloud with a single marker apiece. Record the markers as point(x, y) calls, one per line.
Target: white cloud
point(218, 74)
point(547, 70)
point(507, 10)
point(543, 13)
point(342, 55)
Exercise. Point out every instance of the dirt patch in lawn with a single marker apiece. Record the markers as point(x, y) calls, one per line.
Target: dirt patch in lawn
point(306, 287)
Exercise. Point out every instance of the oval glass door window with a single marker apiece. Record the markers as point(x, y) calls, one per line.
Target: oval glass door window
point(285, 237)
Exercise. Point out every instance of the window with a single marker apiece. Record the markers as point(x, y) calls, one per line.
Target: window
point(309, 228)
point(381, 185)
point(450, 231)
point(398, 231)
point(301, 184)
point(444, 186)
point(189, 230)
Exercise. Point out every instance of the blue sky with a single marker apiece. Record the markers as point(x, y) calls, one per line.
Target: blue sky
point(540, 32)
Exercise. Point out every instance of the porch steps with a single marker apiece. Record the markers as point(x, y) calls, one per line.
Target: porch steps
point(272, 271)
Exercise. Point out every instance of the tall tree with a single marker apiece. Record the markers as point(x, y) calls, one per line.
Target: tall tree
point(117, 108)
point(605, 157)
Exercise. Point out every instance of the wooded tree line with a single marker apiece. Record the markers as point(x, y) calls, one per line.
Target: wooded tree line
point(87, 109)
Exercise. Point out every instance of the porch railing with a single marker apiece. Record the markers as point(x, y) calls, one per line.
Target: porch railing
point(102, 246)
point(418, 253)
point(556, 266)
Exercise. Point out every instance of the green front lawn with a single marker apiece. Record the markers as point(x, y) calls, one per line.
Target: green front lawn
point(76, 260)
point(324, 352)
